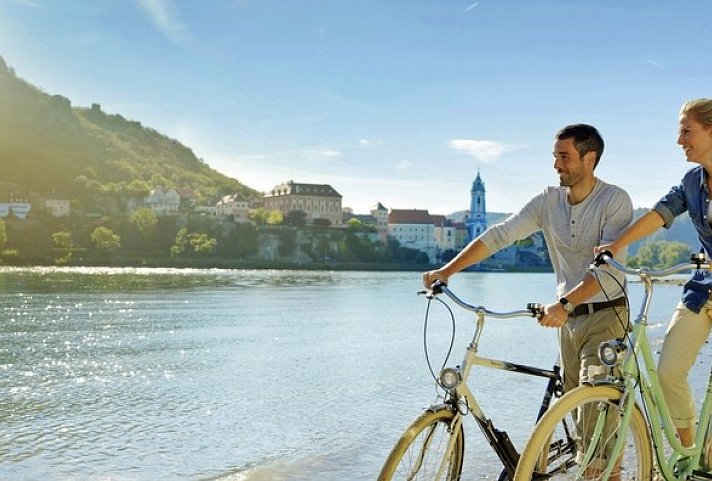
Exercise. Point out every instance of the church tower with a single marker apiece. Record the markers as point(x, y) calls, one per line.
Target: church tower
point(477, 221)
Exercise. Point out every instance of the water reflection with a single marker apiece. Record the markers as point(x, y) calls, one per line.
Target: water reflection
point(90, 279)
point(190, 375)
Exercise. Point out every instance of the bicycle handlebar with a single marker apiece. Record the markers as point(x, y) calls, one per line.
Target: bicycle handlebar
point(697, 261)
point(439, 287)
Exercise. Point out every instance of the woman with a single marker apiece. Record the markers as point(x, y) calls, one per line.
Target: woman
point(692, 319)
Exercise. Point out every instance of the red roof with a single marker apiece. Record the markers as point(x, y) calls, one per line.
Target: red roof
point(438, 220)
point(413, 216)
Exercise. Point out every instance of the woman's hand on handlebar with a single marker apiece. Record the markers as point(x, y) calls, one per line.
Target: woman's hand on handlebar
point(611, 248)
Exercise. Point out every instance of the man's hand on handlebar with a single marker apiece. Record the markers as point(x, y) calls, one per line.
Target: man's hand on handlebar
point(431, 276)
point(554, 315)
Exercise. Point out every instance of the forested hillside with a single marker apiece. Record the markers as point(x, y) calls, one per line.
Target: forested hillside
point(49, 148)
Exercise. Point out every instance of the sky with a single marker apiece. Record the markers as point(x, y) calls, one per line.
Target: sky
point(400, 102)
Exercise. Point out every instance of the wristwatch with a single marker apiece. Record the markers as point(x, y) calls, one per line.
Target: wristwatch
point(568, 307)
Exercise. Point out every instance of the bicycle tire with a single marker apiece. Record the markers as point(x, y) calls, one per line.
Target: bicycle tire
point(551, 452)
point(419, 452)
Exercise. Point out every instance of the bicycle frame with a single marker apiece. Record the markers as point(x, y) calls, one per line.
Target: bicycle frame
point(683, 461)
point(462, 395)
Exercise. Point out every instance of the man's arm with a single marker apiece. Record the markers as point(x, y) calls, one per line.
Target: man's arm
point(518, 226)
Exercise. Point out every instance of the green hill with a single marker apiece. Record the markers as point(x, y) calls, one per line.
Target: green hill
point(48, 148)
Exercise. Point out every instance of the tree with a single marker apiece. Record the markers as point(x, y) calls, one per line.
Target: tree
point(660, 254)
point(181, 243)
point(674, 253)
point(275, 217)
point(105, 240)
point(199, 243)
point(63, 242)
point(202, 243)
point(145, 221)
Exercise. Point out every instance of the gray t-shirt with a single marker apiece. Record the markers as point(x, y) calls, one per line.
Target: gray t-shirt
point(571, 232)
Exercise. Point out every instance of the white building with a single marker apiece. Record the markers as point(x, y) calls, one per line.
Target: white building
point(233, 205)
point(380, 213)
point(445, 233)
point(162, 201)
point(17, 209)
point(57, 207)
point(413, 229)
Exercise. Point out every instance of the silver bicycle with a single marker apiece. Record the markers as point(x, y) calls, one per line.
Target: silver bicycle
point(433, 446)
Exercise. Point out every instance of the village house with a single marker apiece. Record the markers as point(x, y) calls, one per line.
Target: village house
point(235, 206)
point(57, 207)
point(413, 229)
point(162, 201)
point(15, 208)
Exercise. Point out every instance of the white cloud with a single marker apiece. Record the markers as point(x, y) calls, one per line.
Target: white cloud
point(653, 62)
point(164, 17)
point(470, 7)
point(327, 153)
point(369, 142)
point(486, 151)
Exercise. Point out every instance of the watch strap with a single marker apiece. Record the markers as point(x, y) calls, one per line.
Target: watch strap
point(568, 307)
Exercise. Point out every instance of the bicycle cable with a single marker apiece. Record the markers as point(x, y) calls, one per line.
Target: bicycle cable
point(425, 339)
point(626, 326)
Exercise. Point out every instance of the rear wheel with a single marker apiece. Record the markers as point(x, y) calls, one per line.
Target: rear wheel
point(420, 451)
point(573, 440)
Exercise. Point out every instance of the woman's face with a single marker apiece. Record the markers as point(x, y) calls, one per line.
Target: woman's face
point(695, 139)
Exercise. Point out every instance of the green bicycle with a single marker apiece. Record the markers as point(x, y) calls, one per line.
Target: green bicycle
point(615, 426)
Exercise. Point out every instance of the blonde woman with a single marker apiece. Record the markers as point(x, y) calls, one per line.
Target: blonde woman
point(692, 319)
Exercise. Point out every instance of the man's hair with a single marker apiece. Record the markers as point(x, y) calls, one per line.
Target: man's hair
point(700, 109)
point(586, 139)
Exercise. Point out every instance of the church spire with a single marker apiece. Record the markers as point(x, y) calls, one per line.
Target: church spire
point(477, 220)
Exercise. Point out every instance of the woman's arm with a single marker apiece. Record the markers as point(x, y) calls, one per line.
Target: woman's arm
point(643, 227)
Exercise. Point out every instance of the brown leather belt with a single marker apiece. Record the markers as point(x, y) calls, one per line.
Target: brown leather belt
point(597, 306)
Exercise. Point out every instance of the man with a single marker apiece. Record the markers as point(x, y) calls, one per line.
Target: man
point(578, 215)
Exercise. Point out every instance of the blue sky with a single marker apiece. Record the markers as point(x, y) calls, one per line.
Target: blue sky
point(398, 102)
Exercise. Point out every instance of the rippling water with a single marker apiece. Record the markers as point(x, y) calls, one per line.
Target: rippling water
point(160, 374)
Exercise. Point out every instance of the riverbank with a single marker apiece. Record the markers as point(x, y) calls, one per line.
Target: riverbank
point(218, 263)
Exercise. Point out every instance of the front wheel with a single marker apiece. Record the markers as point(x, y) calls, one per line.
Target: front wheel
point(421, 450)
point(574, 438)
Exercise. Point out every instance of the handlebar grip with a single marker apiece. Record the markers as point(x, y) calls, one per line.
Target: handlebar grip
point(437, 286)
point(598, 260)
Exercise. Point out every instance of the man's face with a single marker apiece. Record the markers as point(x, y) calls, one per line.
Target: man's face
point(567, 163)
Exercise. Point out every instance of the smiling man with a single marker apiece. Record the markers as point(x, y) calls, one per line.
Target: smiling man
point(579, 214)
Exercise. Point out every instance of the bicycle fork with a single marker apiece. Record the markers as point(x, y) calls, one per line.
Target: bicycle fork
point(454, 429)
point(620, 413)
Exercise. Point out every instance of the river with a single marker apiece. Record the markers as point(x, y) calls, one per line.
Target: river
point(238, 375)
